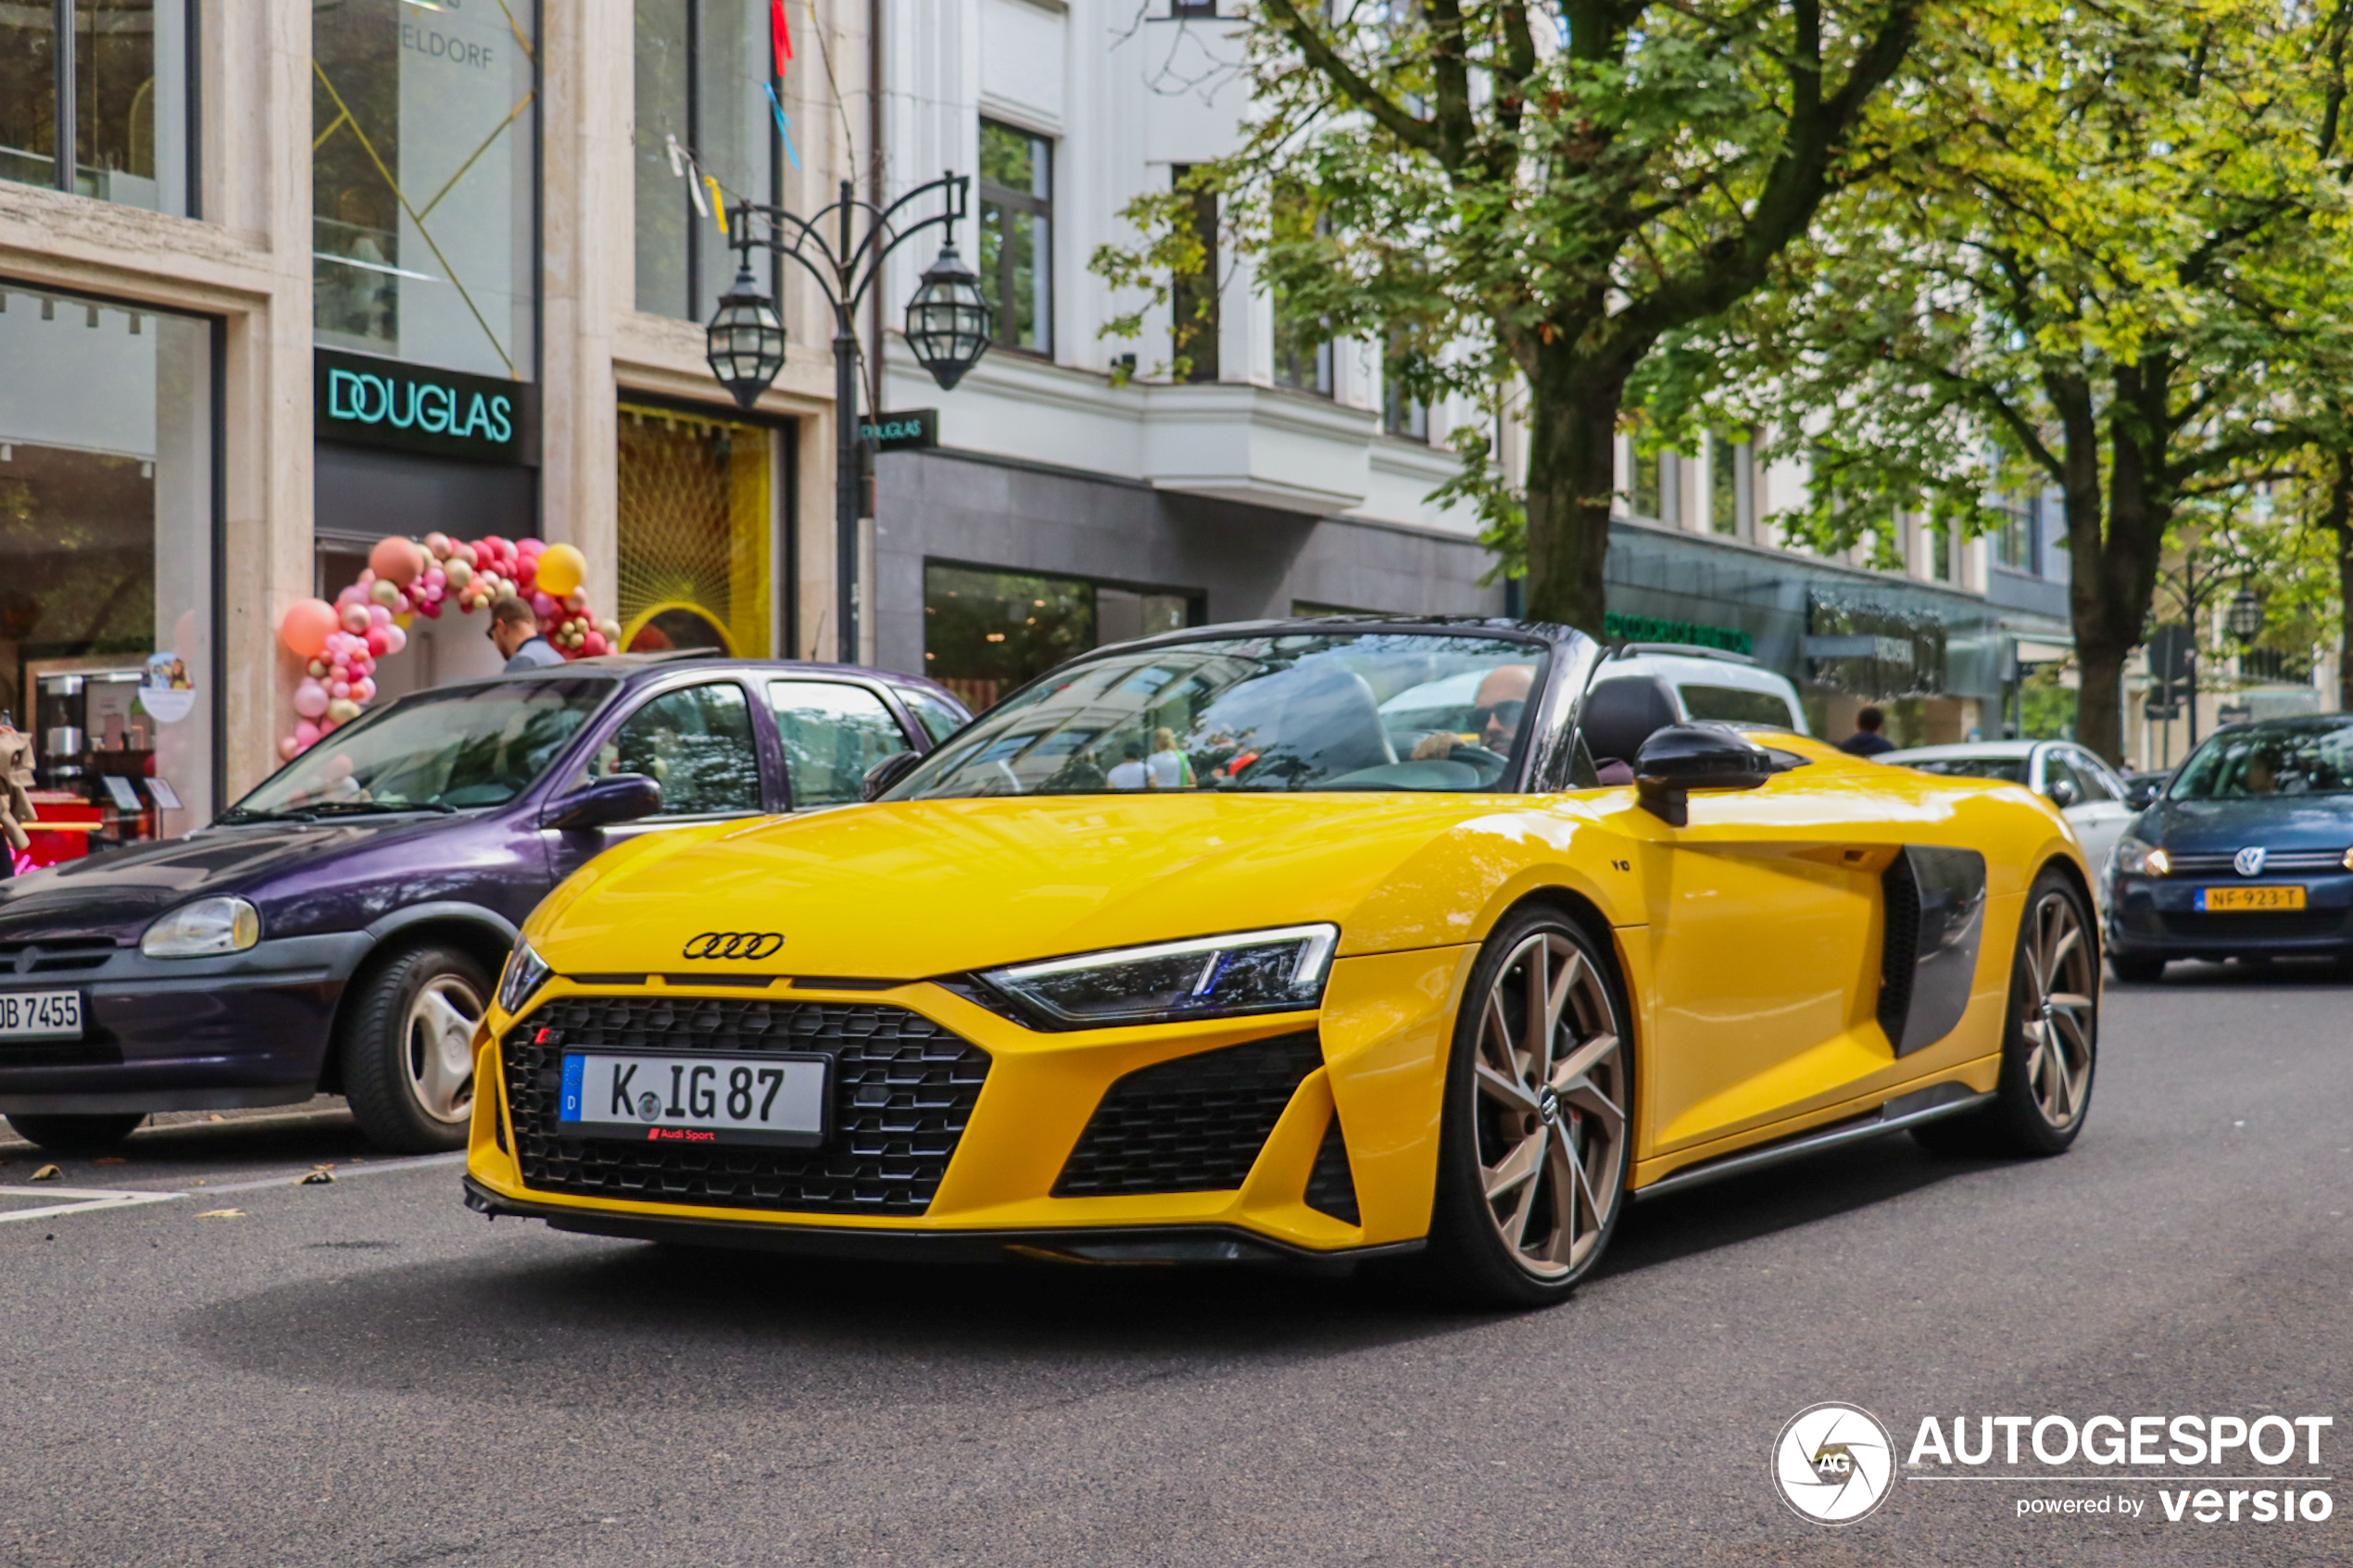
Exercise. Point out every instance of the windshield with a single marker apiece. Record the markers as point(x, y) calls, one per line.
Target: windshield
point(435, 751)
point(1294, 711)
point(2242, 765)
point(2010, 770)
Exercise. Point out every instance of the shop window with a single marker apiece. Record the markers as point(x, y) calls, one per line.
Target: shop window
point(987, 631)
point(832, 734)
point(1194, 322)
point(106, 596)
point(702, 79)
point(697, 536)
point(124, 68)
point(697, 744)
point(1016, 236)
point(423, 162)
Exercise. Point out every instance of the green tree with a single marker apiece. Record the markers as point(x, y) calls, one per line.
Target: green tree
point(2106, 254)
point(1527, 195)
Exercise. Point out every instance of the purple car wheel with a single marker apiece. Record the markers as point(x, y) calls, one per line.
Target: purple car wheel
point(408, 1048)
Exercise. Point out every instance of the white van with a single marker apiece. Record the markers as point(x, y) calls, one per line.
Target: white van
point(1712, 683)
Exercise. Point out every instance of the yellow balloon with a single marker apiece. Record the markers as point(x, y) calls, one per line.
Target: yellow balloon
point(562, 570)
point(405, 619)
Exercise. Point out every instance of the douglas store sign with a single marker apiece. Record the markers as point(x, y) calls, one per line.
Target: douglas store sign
point(382, 403)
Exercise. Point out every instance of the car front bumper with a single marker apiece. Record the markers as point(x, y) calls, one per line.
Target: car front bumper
point(2158, 916)
point(243, 1029)
point(956, 1132)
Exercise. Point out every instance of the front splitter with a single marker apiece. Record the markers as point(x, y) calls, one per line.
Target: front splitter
point(1162, 1246)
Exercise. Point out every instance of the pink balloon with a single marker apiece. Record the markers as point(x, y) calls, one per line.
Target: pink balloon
point(306, 732)
point(310, 699)
point(337, 692)
point(397, 561)
point(395, 639)
point(543, 606)
point(354, 618)
point(435, 578)
point(594, 644)
point(378, 615)
point(304, 626)
point(363, 690)
point(378, 644)
point(532, 548)
point(289, 748)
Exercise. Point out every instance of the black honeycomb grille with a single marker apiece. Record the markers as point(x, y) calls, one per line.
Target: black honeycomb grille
point(903, 1088)
point(1899, 957)
point(1193, 1124)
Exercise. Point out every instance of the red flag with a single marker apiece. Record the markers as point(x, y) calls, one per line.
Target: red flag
point(780, 31)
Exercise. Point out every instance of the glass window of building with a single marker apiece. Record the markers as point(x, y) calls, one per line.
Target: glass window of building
point(423, 165)
point(1730, 491)
point(704, 72)
point(1192, 296)
point(103, 107)
point(1016, 236)
point(106, 567)
point(1302, 340)
point(2013, 540)
point(698, 532)
point(987, 631)
point(1403, 413)
point(1647, 496)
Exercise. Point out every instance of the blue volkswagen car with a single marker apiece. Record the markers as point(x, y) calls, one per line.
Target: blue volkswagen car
point(2248, 854)
point(339, 929)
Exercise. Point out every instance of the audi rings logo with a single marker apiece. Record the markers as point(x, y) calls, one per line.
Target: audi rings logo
point(1834, 1464)
point(732, 945)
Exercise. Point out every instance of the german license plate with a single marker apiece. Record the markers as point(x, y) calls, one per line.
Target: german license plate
point(2250, 897)
point(764, 1098)
point(41, 1015)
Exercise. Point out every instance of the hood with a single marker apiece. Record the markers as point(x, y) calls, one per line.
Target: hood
point(2224, 827)
point(118, 892)
point(916, 889)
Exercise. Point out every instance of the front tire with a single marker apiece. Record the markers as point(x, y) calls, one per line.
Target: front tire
point(76, 1135)
point(1535, 1143)
point(2050, 1043)
point(408, 1049)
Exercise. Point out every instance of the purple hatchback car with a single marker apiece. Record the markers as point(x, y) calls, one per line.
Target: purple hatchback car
point(340, 928)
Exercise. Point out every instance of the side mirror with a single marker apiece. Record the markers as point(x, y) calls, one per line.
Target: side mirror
point(886, 772)
point(2062, 792)
point(2141, 793)
point(623, 797)
point(1683, 758)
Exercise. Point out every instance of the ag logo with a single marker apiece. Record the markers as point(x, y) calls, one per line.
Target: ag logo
point(732, 945)
point(1834, 1464)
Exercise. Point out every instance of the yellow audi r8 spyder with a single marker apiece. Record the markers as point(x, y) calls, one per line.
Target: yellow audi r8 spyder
point(1312, 940)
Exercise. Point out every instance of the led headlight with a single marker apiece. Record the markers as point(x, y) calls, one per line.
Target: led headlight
point(204, 929)
point(525, 973)
point(1278, 970)
point(2135, 859)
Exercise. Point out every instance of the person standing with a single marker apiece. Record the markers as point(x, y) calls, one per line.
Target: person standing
point(514, 631)
point(1867, 741)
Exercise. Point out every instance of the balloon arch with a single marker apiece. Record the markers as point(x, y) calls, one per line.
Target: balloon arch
point(340, 643)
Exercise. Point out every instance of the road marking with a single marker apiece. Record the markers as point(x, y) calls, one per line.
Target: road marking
point(91, 1200)
point(88, 1199)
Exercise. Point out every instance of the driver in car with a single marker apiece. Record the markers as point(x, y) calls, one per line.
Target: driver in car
point(1498, 708)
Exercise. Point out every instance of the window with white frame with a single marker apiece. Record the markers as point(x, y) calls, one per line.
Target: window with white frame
point(1016, 236)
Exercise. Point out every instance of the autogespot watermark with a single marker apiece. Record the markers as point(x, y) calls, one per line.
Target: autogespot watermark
point(1834, 1464)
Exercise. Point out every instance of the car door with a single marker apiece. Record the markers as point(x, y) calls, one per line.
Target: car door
point(699, 742)
point(2100, 814)
point(831, 732)
point(1763, 945)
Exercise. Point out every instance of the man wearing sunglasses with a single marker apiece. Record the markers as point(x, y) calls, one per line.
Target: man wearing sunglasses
point(1497, 709)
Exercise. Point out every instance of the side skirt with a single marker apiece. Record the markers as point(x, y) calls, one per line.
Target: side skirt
point(1904, 1110)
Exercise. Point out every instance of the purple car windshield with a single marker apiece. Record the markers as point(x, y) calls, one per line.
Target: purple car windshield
point(452, 750)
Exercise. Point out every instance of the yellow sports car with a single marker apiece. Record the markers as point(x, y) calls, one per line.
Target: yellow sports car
point(1311, 940)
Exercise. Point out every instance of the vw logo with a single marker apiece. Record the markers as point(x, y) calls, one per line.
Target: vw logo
point(2249, 860)
point(732, 945)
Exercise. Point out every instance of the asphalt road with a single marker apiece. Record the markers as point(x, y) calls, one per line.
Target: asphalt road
point(361, 1373)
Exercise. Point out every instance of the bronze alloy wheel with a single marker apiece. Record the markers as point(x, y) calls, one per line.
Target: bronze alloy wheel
point(1549, 1111)
point(2062, 978)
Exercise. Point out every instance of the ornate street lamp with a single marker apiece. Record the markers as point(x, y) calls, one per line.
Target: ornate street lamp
point(745, 341)
point(947, 321)
point(948, 326)
point(2244, 618)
